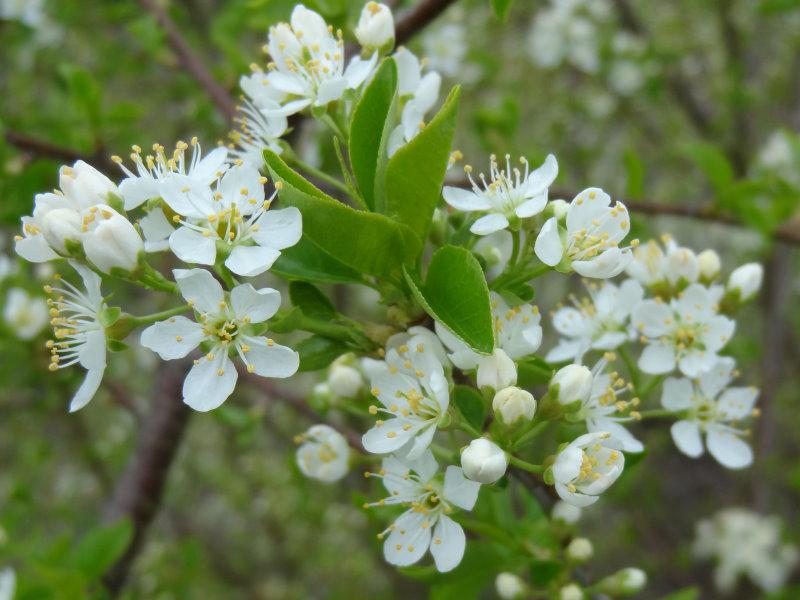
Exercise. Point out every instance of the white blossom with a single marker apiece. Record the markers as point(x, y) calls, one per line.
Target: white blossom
point(151, 171)
point(59, 217)
point(512, 405)
point(225, 325)
point(746, 280)
point(580, 550)
point(574, 383)
point(445, 48)
point(375, 27)
point(509, 586)
point(25, 315)
point(687, 332)
point(566, 512)
point(675, 265)
point(323, 454)
point(517, 334)
point(260, 126)
point(709, 407)
point(426, 525)
point(412, 389)
point(307, 63)
point(79, 336)
point(599, 322)
point(590, 243)
point(233, 215)
point(709, 264)
point(507, 196)
point(745, 543)
point(344, 381)
point(417, 92)
point(483, 461)
point(110, 240)
point(587, 467)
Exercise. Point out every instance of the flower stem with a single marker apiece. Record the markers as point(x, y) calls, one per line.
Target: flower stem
point(159, 316)
point(525, 465)
point(530, 434)
point(515, 240)
point(650, 386)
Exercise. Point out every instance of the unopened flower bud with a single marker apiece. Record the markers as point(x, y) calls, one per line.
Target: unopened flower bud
point(60, 226)
point(497, 371)
point(559, 208)
point(682, 266)
point(323, 454)
point(513, 404)
point(85, 185)
point(580, 550)
point(570, 592)
point(483, 461)
point(746, 280)
point(625, 582)
point(574, 383)
point(509, 586)
point(375, 27)
point(564, 511)
point(344, 381)
point(111, 241)
point(709, 264)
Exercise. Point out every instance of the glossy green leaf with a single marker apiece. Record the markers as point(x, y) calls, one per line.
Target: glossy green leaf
point(367, 242)
point(307, 261)
point(414, 175)
point(100, 548)
point(470, 404)
point(543, 572)
point(367, 129)
point(309, 299)
point(711, 160)
point(455, 293)
point(317, 352)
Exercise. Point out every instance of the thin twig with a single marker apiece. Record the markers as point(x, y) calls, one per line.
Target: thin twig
point(139, 491)
point(44, 149)
point(221, 98)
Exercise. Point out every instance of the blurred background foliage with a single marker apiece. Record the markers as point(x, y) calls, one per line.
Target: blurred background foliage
point(687, 107)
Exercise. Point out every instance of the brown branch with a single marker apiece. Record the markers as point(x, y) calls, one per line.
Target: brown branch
point(190, 61)
point(418, 18)
point(139, 491)
point(43, 149)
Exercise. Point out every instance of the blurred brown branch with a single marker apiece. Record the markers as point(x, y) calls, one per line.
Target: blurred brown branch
point(139, 491)
point(43, 149)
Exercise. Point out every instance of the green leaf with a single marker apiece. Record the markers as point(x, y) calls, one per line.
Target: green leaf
point(501, 8)
point(307, 261)
point(455, 293)
point(533, 371)
point(85, 92)
point(367, 242)
point(311, 300)
point(367, 129)
point(689, 593)
point(713, 163)
point(317, 352)
point(470, 404)
point(415, 174)
point(101, 547)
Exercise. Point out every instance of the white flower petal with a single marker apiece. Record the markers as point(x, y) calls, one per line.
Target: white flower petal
point(330, 90)
point(271, 360)
point(408, 541)
point(92, 353)
point(87, 390)
point(652, 318)
point(192, 246)
point(531, 207)
point(465, 200)
point(458, 489)
point(489, 224)
point(686, 435)
point(677, 394)
point(657, 358)
point(377, 441)
point(728, 448)
point(35, 249)
point(737, 402)
point(204, 388)
point(540, 178)
point(591, 204)
point(200, 289)
point(548, 246)
point(279, 229)
point(255, 305)
point(249, 261)
point(609, 263)
point(448, 544)
point(716, 379)
point(173, 338)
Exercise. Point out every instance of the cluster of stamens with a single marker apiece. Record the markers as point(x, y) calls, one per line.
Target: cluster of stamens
point(71, 316)
point(502, 186)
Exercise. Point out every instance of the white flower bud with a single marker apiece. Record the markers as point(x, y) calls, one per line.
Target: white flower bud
point(85, 185)
point(746, 280)
point(344, 381)
point(709, 264)
point(560, 208)
point(483, 461)
point(564, 511)
point(625, 582)
point(323, 454)
point(375, 27)
point(497, 371)
point(574, 383)
point(580, 550)
point(59, 226)
point(509, 586)
point(570, 592)
point(111, 240)
point(513, 404)
point(682, 266)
